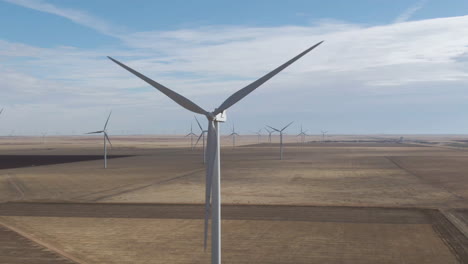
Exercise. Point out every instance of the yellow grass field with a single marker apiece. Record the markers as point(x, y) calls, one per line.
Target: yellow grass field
point(327, 202)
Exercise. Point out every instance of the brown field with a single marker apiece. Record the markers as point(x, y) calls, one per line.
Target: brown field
point(352, 199)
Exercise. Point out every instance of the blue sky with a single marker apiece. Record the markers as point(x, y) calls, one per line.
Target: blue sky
point(385, 66)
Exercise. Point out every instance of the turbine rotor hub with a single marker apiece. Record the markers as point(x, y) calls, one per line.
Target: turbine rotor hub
point(221, 117)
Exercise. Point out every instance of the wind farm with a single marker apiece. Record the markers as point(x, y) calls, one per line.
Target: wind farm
point(241, 133)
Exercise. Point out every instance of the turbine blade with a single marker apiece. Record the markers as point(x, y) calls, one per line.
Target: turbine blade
point(196, 143)
point(107, 121)
point(237, 96)
point(287, 126)
point(199, 124)
point(274, 128)
point(1, 111)
point(181, 100)
point(108, 140)
point(95, 132)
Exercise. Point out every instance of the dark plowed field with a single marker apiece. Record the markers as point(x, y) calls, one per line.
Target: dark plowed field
point(16, 249)
point(20, 161)
point(230, 212)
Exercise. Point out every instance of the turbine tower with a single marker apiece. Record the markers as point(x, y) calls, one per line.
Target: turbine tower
point(106, 139)
point(281, 137)
point(191, 134)
point(213, 175)
point(233, 135)
point(302, 135)
point(202, 135)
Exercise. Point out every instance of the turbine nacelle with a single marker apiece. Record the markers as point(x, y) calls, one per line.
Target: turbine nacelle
point(221, 117)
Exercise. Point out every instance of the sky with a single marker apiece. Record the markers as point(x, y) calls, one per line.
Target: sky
point(385, 67)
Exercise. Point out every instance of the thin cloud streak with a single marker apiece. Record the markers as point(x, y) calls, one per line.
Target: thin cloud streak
point(77, 16)
point(408, 13)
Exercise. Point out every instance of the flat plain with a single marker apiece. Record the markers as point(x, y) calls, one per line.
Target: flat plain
point(349, 199)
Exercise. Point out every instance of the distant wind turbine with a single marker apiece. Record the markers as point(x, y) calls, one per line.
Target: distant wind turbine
point(259, 135)
point(269, 134)
point(44, 134)
point(303, 134)
point(213, 175)
point(281, 137)
point(191, 134)
point(233, 135)
point(106, 139)
point(323, 135)
point(202, 135)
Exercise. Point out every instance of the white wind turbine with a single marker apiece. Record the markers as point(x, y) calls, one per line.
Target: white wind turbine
point(213, 175)
point(202, 135)
point(323, 135)
point(106, 139)
point(269, 134)
point(233, 135)
point(191, 134)
point(303, 134)
point(281, 137)
point(259, 135)
point(44, 134)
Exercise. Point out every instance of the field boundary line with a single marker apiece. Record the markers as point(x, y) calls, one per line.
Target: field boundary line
point(42, 243)
point(18, 186)
point(455, 221)
point(449, 233)
point(425, 180)
point(131, 188)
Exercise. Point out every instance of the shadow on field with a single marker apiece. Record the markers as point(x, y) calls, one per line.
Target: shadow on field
point(20, 161)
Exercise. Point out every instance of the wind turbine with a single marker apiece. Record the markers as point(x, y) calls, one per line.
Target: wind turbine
point(106, 139)
point(213, 175)
point(202, 134)
point(323, 135)
point(259, 135)
point(269, 134)
point(44, 134)
point(191, 134)
point(281, 137)
point(233, 135)
point(303, 135)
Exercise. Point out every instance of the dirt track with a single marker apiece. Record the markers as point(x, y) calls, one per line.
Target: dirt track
point(16, 249)
point(230, 212)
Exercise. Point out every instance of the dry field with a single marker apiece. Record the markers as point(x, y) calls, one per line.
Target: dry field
point(352, 199)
